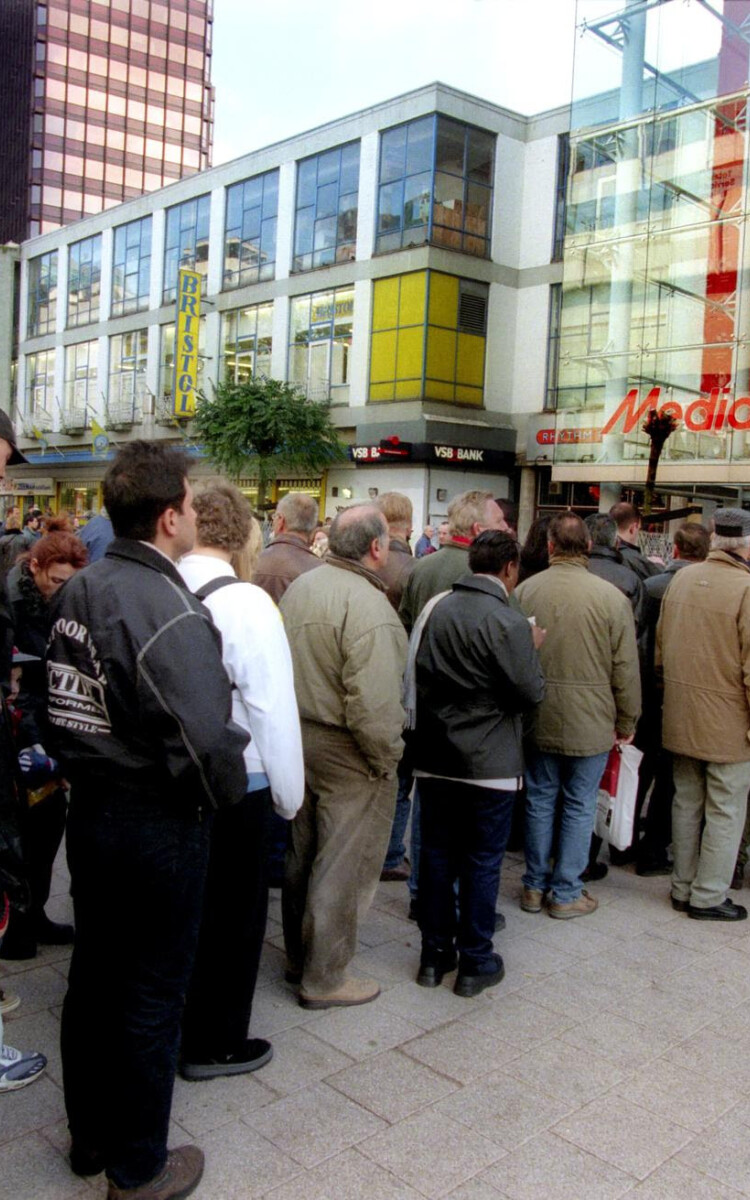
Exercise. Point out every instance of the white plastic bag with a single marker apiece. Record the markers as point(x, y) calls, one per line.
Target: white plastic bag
point(615, 805)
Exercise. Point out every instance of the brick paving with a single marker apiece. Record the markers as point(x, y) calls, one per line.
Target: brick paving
point(612, 1061)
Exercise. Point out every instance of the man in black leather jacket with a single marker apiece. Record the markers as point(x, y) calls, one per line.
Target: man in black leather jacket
point(139, 705)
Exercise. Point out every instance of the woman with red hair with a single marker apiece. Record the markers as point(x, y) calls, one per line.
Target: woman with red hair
point(32, 582)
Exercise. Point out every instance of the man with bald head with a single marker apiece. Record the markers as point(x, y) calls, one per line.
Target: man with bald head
point(349, 653)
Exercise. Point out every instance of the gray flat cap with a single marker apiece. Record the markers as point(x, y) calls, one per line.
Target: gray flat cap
point(732, 522)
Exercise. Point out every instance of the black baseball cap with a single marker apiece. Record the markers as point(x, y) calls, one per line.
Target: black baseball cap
point(7, 433)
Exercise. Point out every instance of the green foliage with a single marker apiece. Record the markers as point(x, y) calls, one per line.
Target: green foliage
point(266, 428)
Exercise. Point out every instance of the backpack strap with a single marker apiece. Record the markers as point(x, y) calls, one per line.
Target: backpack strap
point(214, 584)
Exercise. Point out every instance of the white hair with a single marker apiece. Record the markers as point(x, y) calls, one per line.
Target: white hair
point(729, 543)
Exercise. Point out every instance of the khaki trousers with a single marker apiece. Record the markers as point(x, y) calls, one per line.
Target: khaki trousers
point(716, 792)
point(335, 856)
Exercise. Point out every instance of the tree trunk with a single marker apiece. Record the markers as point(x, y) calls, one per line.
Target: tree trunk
point(653, 465)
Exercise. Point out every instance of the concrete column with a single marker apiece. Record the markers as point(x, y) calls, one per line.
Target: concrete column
point(158, 235)
point(105, 281)
point(526, 501)
point(367, 204)
point(285, 226)
point(280, 338)
point(216, 242)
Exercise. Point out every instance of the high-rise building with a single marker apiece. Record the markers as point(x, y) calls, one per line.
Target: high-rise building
point(99, 102)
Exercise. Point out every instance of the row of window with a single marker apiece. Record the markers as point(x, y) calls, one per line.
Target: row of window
point(435, 186)
point(427, 341)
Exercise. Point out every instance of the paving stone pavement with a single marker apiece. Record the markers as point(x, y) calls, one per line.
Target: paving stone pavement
point(612, 1061)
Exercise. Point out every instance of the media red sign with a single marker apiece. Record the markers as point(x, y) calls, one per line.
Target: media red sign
point(707, 414)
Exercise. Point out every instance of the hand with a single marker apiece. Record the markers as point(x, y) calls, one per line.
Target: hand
point(623, 741)
point(538, 635)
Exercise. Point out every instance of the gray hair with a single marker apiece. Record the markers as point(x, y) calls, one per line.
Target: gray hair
point(602, 530)
point(300, 511)
point(729, 543)
point(354, 530)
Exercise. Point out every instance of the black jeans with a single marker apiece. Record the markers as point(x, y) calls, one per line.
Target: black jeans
point(220, 997)
point(464, 833)
point(137, 871)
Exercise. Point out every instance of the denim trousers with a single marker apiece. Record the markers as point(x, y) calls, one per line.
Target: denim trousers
point(396, 851)
point(235, 907)
point(573, 783)
point(464, 834)
point(138, 868)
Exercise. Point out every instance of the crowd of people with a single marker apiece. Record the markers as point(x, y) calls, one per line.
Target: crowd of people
point(209, 717)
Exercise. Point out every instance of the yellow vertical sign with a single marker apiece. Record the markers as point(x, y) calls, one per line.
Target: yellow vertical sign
point(186, 342)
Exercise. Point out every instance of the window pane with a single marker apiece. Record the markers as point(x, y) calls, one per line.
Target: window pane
point(419, 146)
point(449, 154)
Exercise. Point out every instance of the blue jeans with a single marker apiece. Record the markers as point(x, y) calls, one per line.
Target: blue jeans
point(396, 848)
point(464, 834)
point(574, 782)
point(137, 868)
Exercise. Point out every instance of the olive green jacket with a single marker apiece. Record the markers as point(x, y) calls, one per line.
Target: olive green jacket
point(349, 654)
point(589, 659)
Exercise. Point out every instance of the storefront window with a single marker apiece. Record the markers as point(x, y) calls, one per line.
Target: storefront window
point(246, 343)
point(40, 389)
point(81, 392)
point(128, 394)
point(321, 340)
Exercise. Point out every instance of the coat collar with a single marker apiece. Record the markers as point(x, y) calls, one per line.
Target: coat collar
point(480, 583)
point(573, 560)
point(145, 556)
point(347, 564)
point(290, 539)
point(728, 559)
point(606, 552)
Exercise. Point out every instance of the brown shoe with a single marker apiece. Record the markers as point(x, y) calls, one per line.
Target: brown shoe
point(531, 900)
point(581, 907)
point(181, 1175)
point(395, 874)
point(352, 991)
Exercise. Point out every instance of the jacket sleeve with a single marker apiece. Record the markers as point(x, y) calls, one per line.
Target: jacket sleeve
point(625, 678)
point(406, 606)
point(512, 651)
point(372, 672)
point(185, 699)
point(743, 624)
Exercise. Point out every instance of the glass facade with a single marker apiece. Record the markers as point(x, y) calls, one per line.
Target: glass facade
point(250, 230)
point(120, 103)
point(321, 342)
point(246, 343)
point(325, 228)
point(166, 362)
point(428, 338)
point(40, 390)
point(81, 390)
point(42, 302)
point(655, 304)
point(131, 267)
point(84, 281)
point(127, 396)
point(435, 186)
point(186, 243)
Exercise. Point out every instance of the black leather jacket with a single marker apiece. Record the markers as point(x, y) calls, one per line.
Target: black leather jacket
point(477, 674)
point(139, 702)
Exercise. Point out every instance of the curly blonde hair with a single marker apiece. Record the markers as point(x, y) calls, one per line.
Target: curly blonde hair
point(224, 518)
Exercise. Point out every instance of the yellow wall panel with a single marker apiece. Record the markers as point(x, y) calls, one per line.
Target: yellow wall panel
point(381, 391)
point(435, 390)
point(409, 389)
point(413, 293)
point(410, 355)
point(385, 304)
point(443, 300)
point(441, 353)
point(383, 356)
point(468, 395)
point(470, 361)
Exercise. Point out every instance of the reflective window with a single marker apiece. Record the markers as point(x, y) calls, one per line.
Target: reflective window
point(321, 341)
point(84, 280)
point(166, 364)
point(42, 309)
point(127, 396)
point(325, 229)
point(131, 267)
point(428, 338)
point(40, 389)
point(81, 391)
point(246, 343)
point(250, 230)
point(435, 186)
point(186, 242)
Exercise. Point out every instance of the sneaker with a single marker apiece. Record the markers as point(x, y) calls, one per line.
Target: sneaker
point(9, 1002)
point(531, 900)
point(181, 1175)
point(581, 907)
point(256, 1053)
point(728, 911)
point(19, 1068)
point(352, 991)
point(471, 985)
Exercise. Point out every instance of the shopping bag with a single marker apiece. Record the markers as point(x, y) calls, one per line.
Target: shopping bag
point(615, 804)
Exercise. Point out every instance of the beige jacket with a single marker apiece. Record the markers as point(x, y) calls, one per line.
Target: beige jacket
point(703, 650)
point(349, 653)
point(589, 659)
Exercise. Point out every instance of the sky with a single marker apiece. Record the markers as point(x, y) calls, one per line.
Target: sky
point(283, 67)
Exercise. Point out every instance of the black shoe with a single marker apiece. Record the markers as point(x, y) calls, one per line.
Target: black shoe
point(18, 947)
point(594, 872)
point(53, 933)
point(650, 870)
point(85, 1162)
point(728, 911)
point(499, 922)
point(680, 905)
point(431, 973)
point(472, 985)
point(256, 1053)
point(622, 858)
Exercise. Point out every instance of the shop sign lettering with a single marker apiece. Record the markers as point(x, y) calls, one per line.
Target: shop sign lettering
point(707, 414)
